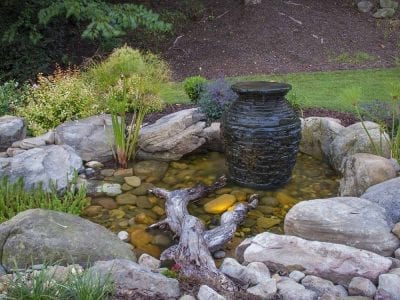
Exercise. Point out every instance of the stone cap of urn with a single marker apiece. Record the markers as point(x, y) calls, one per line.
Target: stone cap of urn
point(261, 87)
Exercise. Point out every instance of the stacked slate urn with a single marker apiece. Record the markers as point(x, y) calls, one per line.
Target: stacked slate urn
point(261, 133)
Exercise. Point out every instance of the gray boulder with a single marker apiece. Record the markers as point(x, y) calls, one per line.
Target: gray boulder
point(382, 13)
point(38, 236)
point(388, 4)
point(354, 139)
point(317, 135)
point(350, 221)
point(363, 170)
point(322, 286)
point(91, 138)
point(137, 281)
point(389, 287)
point(386, 195)
point(46, 164)
point(360, 286)
point(289, 289)
point(173, 136)
point(365, 6)
point(335, 262)
point(207, 293)
point(12, 129)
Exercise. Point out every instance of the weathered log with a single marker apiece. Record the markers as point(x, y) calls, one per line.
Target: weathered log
point(192, 253)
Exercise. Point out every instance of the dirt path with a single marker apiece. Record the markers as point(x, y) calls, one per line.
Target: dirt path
point(278, 37)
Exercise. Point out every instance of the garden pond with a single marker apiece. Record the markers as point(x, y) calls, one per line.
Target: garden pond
point(135, 209)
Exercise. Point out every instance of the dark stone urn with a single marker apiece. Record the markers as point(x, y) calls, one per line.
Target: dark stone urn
point(261, 133)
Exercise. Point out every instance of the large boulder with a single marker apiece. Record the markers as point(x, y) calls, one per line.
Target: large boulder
point(386, 195)
point(47, 164)
point(354, 139)
point(350, 221)
point(317, 135)
point(173, 136)
point(363, 170)
point(137, 281)
point(12, 129)
point(335, 262)
point(38, 236)
point(91, 138)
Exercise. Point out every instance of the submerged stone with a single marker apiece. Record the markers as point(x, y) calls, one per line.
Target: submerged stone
point(220, 204)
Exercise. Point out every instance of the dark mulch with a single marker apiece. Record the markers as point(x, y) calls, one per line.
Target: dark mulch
point(279, 36)
point(345, 118)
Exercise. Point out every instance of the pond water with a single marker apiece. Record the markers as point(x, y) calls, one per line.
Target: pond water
point(134, 210)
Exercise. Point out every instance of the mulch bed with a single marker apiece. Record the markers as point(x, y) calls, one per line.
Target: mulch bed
point(345, 117)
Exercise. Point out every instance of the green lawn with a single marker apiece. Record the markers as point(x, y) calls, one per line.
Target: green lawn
point(318, 89)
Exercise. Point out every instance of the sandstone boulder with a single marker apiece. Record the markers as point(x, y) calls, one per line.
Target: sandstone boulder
point(350, 221)
point(38, 236)
point(317, 135)
point(363, 170)
point(91, 138)
point(46, 164)
point(386, 195)
point(137, 281)
point(335, 262)
point(12, 129)
point(173, 136)
point(354, 139)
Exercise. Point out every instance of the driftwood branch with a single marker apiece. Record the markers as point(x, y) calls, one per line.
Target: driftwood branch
point(192, 255)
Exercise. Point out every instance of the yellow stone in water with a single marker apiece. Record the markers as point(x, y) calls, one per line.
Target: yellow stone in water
point(133, 181)
point(220, 204)
point(240, 195)
point(266, 223)
point(140, 237)
point(151, 250)
point(123, 172)
point(158, 210)
point(126, 187)
point(117, 213)
point(142, 218)
point(285, 199)
point(93, 210)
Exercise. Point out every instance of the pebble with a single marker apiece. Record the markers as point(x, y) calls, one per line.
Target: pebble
point(297, 275)
point(143, 189)
point(107, 172)
point(219, 254)
point(133, 181)
point(143, 202)
point(149, 261)
point(93, 210)
point(90, 172)
point(107, 203)
point(94, 164)
point(123, 172)
point(266, 223)
point(123, 236)
point(110, 189)
point(140, 237)
point(126, 199)
point(126, 187)
point(116, 213)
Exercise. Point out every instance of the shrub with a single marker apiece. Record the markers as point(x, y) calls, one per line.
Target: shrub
point(15, 199)
point(127, 62)
point(55, 99)
point(12, 95)
point(44, 285)
point(193, 87)
point(215, 98)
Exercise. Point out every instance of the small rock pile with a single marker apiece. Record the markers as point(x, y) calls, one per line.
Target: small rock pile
point(387, 8)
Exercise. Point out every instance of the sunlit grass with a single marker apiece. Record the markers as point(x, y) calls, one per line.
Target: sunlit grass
point(318, 89)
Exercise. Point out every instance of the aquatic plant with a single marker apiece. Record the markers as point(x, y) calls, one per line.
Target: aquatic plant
point(388, 120)
point(137, 94)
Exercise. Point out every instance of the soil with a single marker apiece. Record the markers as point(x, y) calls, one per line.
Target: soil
point(279, 36)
